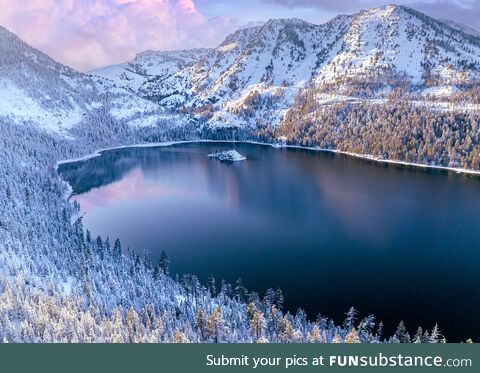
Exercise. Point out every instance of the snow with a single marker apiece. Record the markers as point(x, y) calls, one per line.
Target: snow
point(442, 91)
point(274, 61)
point(68, 286)
point(121, 76)
point(228, 156)
point(141, 74)
point(227, 47)
point(286, 55)
point(393, 37)
point(18, 105)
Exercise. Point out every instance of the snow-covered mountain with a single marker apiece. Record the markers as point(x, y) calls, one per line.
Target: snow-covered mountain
point(253, 77)
point(35, 88)
point(401, 40)
point(145, 73)
point(265, 64)
point(261, 69)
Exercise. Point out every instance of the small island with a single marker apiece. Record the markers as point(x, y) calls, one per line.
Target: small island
point(228, 156)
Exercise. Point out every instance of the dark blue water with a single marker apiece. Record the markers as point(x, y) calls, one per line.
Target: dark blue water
point(332, 231)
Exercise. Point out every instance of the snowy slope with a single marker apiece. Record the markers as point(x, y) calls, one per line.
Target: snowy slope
point(260, 68)
point(397, 39)
point(143, 74)
point(35, 88)
point(254, 76)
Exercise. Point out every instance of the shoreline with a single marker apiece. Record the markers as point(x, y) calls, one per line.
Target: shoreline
point(99, 152)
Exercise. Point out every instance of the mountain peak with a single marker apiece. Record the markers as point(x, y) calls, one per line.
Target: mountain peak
point(276, 59)
point(285, 21)
point(384, 11)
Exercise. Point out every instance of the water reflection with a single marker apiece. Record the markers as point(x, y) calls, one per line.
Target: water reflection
point(330, 230)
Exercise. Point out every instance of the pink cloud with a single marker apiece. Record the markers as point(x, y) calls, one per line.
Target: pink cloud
point(87, 34)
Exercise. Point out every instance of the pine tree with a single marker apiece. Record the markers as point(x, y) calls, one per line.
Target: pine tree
point(211, 286)
point(417, 338)
point(201, 324)
point(162, 268)
point(179, 337)
point(269, 298)
point(164, 263)
point(240, 291)
point(314, 336)
point(352, 337)
point(337, 339)
point(279, 299)
point(365, 328)
point(117, 248)
point(131, 323)
point(436, 336)
point(251, 309)
point(402, 334)
point(215, 325)
point(350, 318)
point(426, 337)
point(257, 326)
point(147, 315)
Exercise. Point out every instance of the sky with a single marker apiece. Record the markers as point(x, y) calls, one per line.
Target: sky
point(88, 34)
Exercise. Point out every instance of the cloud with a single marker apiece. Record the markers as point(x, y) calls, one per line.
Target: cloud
point(87, 34)
point(333, 5)
point(462, 11)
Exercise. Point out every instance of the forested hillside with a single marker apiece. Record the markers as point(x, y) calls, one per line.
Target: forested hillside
point(398, 128)
point(59, 284)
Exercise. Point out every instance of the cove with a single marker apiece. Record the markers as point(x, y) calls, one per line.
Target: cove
point(331, 231)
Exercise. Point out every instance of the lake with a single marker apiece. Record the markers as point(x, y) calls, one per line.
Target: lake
point(330, 230)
